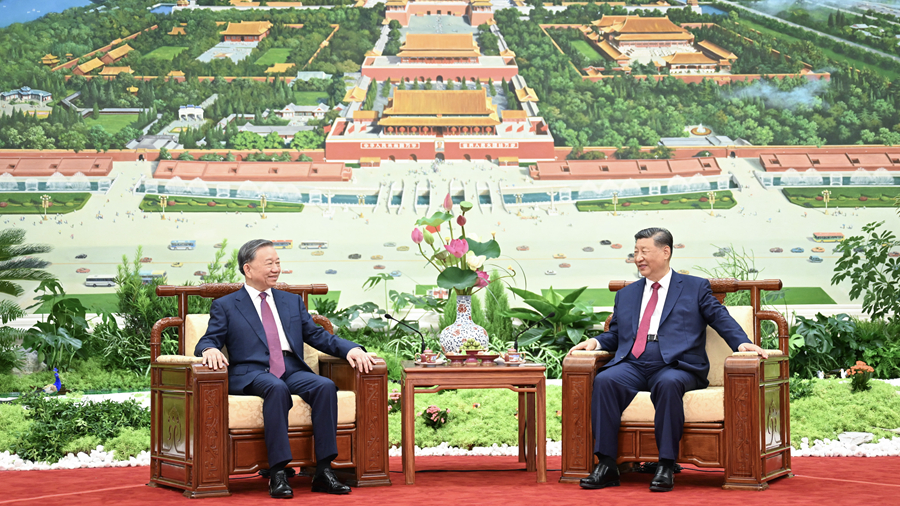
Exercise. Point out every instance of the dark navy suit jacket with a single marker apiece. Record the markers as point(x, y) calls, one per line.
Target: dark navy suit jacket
point(690, 307)
point(235, 324)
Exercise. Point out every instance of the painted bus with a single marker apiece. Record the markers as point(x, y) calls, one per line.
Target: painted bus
point(148, 277)
point(828, 236)
point(313, 244)
point(283, 244)
point(183, 245)
point(100, 280)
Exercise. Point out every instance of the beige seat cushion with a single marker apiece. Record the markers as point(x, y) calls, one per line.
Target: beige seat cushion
point(718, 350)
point(707, 405)
point(245, 411)
point(195, 326)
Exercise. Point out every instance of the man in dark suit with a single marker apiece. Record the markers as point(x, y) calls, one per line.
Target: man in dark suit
point(264, 331)
point(658, 334)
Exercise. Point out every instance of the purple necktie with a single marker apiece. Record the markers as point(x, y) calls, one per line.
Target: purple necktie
point(640, 341)
point(276, 358)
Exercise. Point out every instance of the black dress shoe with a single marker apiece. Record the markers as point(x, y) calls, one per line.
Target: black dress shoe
point(278, 486)
point(326, 481)
point(663, 480)
point(601, 477)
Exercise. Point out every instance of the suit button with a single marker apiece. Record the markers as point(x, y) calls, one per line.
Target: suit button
point(267, 369)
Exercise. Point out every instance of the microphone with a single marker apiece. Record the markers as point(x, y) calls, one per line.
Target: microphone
point(542, 320)
point(389, 317)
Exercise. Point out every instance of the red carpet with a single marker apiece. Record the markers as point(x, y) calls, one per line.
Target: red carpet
point(817, 481)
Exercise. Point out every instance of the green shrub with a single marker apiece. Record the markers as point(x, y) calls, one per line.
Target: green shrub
point(83, 444)
point(830, 410)
point(59, 422)
point(13, 422)
point(129, 443)
point(83, 375)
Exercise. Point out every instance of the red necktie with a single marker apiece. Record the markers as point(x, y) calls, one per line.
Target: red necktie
point(640, 340)
point(276, 358)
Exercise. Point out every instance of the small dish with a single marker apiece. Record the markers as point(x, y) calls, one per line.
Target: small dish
point(487, 359)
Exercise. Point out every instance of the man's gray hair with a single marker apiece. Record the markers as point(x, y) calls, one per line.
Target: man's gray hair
point(248, 251)
point(661, 237)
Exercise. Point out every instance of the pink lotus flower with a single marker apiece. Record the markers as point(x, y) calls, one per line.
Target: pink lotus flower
point(483, 279)
point(461, 220)
point(417, 236)
point(448, 203)
point(458, 247)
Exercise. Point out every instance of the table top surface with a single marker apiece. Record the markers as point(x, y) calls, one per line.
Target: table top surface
point(528, 368)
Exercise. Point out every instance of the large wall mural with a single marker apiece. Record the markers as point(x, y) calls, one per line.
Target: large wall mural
point(756, 133)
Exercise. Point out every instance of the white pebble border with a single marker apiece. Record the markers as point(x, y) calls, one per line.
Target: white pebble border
point(97, 458)
point(848, 444)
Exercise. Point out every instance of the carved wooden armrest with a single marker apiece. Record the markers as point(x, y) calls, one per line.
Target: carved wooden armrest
point(772, 354)
point(156, 335)
point(178, 360)
point(594, 353)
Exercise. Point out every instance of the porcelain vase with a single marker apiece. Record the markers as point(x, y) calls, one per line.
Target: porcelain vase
point(463, 328)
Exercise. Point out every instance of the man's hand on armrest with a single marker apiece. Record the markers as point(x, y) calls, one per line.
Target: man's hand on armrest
point(589, 345)
point(214, 359)
point(360, 360)
point(752, 347)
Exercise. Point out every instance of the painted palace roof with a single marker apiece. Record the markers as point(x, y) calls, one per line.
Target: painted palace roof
point(434, 102)
point(247, 28)
point(424, 45)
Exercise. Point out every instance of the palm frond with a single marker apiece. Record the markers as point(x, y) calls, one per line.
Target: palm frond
point(8, 288)
point(9, 311)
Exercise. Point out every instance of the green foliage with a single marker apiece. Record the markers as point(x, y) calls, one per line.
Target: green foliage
point(829, 411)
point(61, 336)
point(129, 443)
point(13, 422)
point(84, 444)
point(800, 387)
point(11, 354)
point(17, 264)
point(494, 421)
point(872, 272)
point(823, 346)
point(549, 342)
point(83, 376)
point(496, 303)
point(56, 423)
point(448, 317)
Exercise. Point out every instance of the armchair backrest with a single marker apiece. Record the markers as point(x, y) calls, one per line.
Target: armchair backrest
point(748, 317)
point(211, 291)
point(195, 327)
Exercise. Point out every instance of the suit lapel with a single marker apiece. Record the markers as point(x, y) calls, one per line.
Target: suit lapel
point(284, 314)
point(636, 301)
point(672, 296)
point(246, 307)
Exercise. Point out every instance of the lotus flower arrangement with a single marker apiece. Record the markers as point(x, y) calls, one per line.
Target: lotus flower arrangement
point(458, 258)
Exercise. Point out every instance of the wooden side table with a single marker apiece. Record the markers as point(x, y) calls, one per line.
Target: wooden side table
point(527, 380)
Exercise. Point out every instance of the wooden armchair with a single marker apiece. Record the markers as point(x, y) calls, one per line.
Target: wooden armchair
point(200, 435)
point(741, 422)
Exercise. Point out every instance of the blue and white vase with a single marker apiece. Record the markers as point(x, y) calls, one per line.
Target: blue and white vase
point(463, 328)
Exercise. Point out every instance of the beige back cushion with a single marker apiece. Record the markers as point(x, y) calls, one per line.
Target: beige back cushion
point(718, 350)
point(195, 326)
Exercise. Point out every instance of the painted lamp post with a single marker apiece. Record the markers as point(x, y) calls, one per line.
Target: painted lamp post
point(826, 196)
point(262, 203)
point(615, 201)
point(163, 201)
point(712, 202)
point(45, 203)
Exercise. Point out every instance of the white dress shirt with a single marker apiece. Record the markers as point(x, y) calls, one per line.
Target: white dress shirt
point(660, 301)
point(257, 303)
